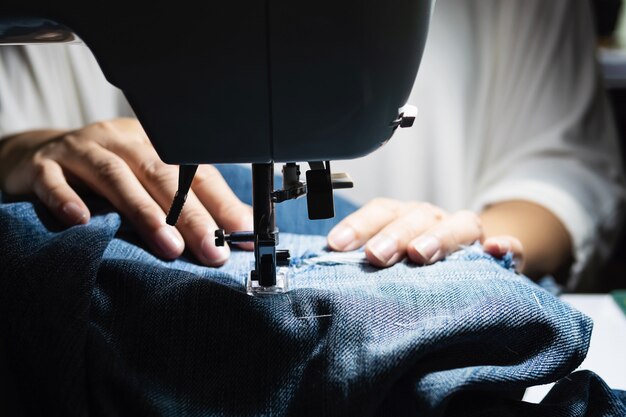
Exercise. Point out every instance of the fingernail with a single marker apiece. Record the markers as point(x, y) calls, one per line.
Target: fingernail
point(75, 213)
point(383, 248)
point(341, 237)
point(215, 255)
point(427, 246)
point(168, 242)
point(504, 245)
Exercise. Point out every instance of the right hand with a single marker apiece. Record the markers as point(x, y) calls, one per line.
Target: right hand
point(116, 160)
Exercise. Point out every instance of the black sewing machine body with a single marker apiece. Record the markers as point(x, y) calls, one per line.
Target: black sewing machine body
point(250, 82)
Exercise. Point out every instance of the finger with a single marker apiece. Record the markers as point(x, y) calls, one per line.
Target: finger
point(458, 229)
point(198, 228)
point(195, 223)
point(389, 245)
point(356, 229)
point(216, 205)
point(227, 210)
point(499, 246)
point(110, 176)
point(51, 187)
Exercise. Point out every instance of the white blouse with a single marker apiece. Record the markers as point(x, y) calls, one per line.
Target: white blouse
point(511, 107)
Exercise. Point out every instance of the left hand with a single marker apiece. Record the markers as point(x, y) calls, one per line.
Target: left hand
point(116, 159)
point(392, 229)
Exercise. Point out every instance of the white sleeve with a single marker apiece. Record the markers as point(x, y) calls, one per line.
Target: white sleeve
point(549, 133)
point(54, 87)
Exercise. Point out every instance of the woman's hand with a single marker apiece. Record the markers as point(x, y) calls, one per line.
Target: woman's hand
point(391, 230)
point(116, 160)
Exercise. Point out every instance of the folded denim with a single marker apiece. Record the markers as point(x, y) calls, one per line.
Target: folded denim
point(95, 325)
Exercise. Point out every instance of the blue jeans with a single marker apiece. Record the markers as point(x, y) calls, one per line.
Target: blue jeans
point(93, 324)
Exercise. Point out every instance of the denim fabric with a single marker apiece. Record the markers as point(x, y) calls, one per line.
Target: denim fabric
point(95, 325)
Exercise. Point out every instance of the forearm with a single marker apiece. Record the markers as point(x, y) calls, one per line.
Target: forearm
point(547, 244)
point(32, 136)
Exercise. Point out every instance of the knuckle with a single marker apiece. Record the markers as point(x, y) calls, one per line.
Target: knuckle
point(132, 129)
point(108, 169)
point(154, 170)
point(231, 211)
point(136, 127)
point(437, 212)
point(70, 142)
point(103, 131)
point(205, 176)
point(104, 126)
point(49, 149)
point(142, 137)
point(40, 169)
point(194, 219)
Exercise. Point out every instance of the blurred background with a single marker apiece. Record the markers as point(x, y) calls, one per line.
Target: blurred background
point(397, 158)
point(610, 17)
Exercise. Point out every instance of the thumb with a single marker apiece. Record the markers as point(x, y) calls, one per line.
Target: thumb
point(499, 246)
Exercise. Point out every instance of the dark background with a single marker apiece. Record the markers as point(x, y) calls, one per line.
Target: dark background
point(606, 18)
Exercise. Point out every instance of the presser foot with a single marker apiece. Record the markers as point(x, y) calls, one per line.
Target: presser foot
point(254, 288)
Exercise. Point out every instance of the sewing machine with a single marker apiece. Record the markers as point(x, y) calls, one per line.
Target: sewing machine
point(254, 82)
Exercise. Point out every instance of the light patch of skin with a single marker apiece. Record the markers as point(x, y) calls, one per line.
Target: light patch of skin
point(116, 160)
point(392, 230)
